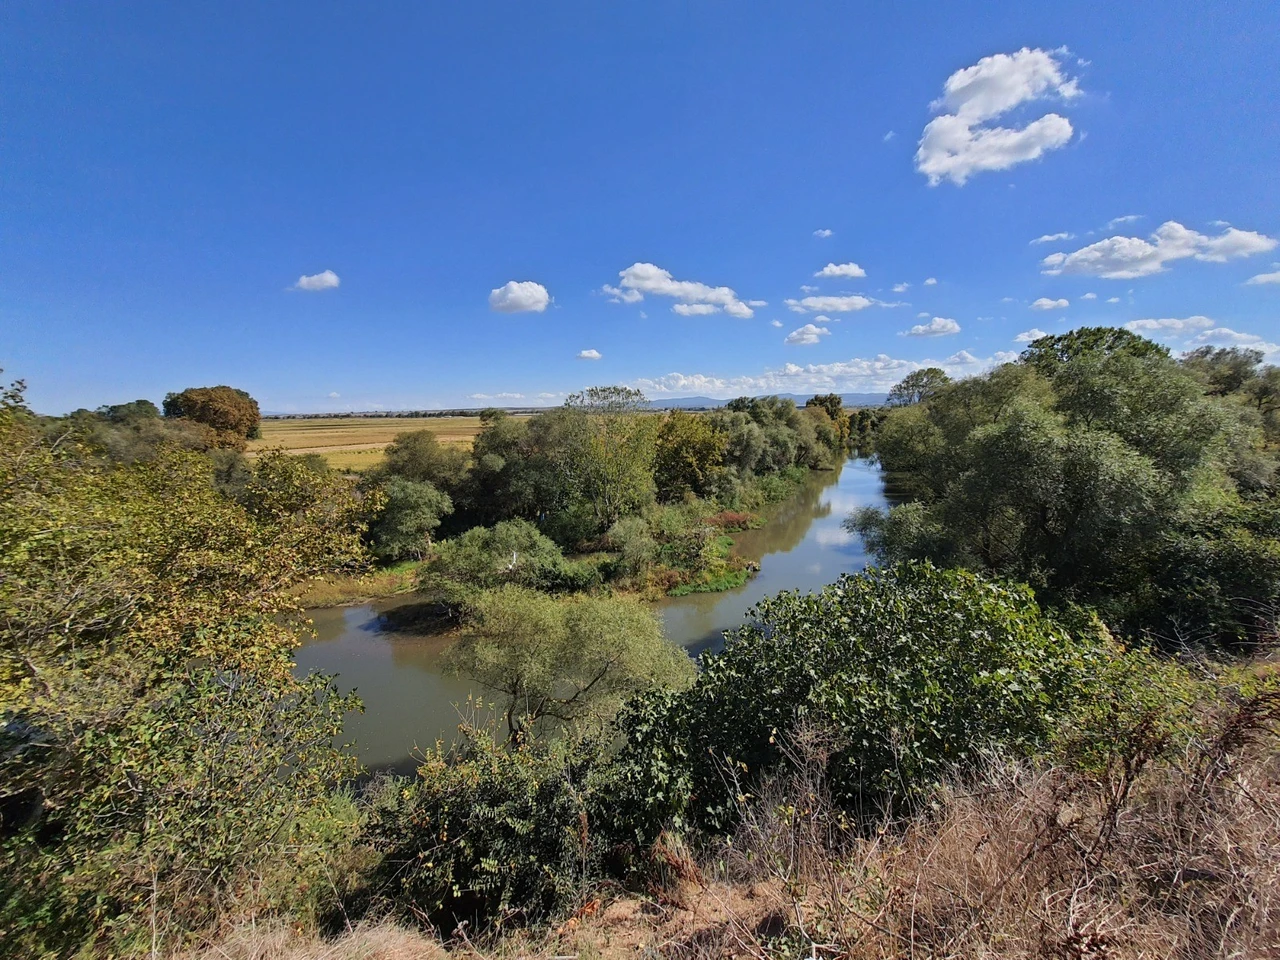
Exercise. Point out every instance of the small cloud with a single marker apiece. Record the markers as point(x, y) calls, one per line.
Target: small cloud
point(1051, 237)
point(901, 287)
point(931, 282)
point(589, 354)
point(1262, 278)
point(888, 136)
point(830, 304)
point(937, 327)
point(1007, 300)
point(757, 303)
point(548, 396)
point(324, 280)
point(922, 313)
point(1089, 296)
point(851, 270)
point(519, 296)
point(334, 395)
point(694, 309)
point(1170, 325)
point(808, 288)
point(823, 233)
point(1035, 333)
point(1044, 303)
point(962, 358)
point(643, 315)
point(807, 335)
point(1113, 299)
point(1116, 221)
point(775, 323)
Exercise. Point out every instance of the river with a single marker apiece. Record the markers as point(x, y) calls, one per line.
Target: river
point(409, 703)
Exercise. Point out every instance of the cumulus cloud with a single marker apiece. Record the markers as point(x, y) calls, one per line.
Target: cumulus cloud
point(931, 282)
point(1113, 299)
point(841, 270)
point(1262, 278)
point(807, 335)
point(315, 282)
point(808, 288)
point(1124, 258)
point(823, 233)
point(1026, 336)
point(830, 304)
point(334, 395)
point(775, 323)
point(1044, 303)
point(1226, 337)
point(1170, 325)
point(519, 296)
point(694, 298)
point(1116, 221)
point(1089, 296)
point(589, 354)
point(757, 303)
point(1051, 237)
point(962, 141)
point(875, 374)
point(901, 287)
point(937, 327)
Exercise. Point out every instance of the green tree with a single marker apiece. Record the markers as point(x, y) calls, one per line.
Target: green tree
point(688, 452)
point(1047, 352)
point(419, 455)
point(608, 457)
point(232, 414)
point(412, 513)
point(918, 386)
point(564, 660)
point(1224, 370)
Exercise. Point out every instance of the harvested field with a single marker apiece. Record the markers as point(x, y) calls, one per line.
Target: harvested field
point(356, 443)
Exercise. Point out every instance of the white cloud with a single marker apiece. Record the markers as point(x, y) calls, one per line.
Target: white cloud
point(1089, 296)
point(901, 287)
point(334, 395)
point(1264, 278)
point(519, 296)
point(757, 303)
point(841, 270)
point(931, 282)
point(589, 354)
point(876, 374)
point(479, 396)
point(549, 396)
point(324, 280)
point(1124, 258)
point(1005, 356)
point(1170, 325)
point(823, 233)
point(807, 335)
point(1225, 336)
point(960, 143)
point(1051, 237)
point(830, 304)
point(937, 327)
point(694, 298)
point(809, 288)
point(775, 323)
point(1113, 299)
point(1116, 221)
point(922, 313)
point(888, 136)
point(1026, 336)
point(1044, 303)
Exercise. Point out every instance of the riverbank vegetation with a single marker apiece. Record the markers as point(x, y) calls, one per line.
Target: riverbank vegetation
point(1045, 727)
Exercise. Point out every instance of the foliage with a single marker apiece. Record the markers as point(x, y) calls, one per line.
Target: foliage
point(563, 660)
point(1097, 470)
point(232, 414)
point(688, 451)
point(412, 513)
point(918, 386)
point(912, 670)
point(418, 456)
point(486, 835)
point(154, 737)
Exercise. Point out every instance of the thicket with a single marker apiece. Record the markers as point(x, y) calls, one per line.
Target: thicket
point(1103, 472)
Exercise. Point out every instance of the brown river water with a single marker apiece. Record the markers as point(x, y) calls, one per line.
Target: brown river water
point(409, 704)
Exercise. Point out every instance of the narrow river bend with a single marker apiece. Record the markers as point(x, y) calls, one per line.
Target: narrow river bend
point(409, 703)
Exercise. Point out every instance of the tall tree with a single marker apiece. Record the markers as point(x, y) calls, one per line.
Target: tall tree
point(918, 386)
point(232, 414)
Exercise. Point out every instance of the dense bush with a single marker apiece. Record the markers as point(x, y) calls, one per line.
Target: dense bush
point(913, 670)
point(411, 514)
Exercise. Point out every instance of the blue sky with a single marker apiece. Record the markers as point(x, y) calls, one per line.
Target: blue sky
point(495, 189)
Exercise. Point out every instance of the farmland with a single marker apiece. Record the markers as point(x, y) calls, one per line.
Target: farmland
point(356, 443)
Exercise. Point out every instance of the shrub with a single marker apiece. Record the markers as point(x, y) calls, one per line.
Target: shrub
point(485, 557)
point(913, 670)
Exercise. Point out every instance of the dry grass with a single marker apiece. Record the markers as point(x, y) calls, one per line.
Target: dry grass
point(381, 941)
point(340, 591)
point(356, 443)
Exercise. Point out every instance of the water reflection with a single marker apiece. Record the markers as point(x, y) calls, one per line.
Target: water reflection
point(389, 651)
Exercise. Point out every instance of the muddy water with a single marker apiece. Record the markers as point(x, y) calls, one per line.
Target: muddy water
point(395, 667)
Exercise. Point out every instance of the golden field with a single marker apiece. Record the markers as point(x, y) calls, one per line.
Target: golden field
point(356, 443)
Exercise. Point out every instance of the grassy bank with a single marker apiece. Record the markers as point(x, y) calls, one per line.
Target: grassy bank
point(392, 581)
